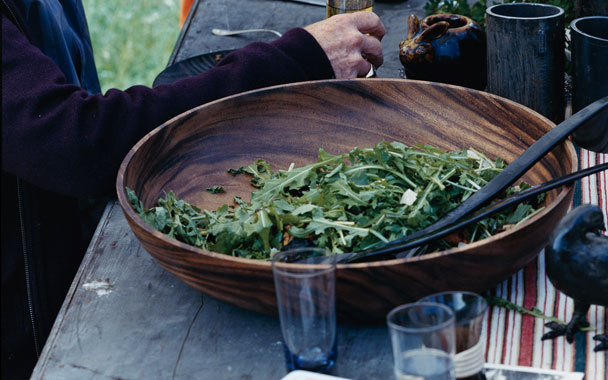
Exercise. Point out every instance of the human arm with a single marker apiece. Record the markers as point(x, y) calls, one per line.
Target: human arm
point(58, 137)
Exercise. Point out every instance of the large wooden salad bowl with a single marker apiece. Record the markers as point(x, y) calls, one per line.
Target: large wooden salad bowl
point(289, 123)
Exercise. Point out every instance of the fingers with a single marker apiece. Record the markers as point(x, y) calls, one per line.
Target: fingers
point(365, 69)
point(371, 73)
point(371, 50)
point(372, 30)
point(369, 23)
point(351, 42)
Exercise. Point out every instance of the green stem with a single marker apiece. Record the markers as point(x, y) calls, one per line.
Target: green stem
point(501, 302)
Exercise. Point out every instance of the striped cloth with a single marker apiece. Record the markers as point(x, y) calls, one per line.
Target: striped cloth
point(515, 339)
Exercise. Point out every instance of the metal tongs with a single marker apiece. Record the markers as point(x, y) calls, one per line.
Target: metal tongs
point(454, 219)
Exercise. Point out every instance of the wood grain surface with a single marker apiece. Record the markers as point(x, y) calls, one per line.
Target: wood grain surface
point(286, 124)
point(281, 15)
point(150, 325)
point(526, 56)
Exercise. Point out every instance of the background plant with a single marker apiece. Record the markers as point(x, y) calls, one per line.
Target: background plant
point(132, 40)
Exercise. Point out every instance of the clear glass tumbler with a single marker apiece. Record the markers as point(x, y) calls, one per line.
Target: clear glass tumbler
point(306, 298)
point(335, 7)
point(422, 337)
point(469, 309)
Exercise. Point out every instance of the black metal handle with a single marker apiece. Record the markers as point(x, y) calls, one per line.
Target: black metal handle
point(491, 190)
point(504, 203)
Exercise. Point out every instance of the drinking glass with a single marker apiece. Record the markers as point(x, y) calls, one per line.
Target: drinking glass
point(422, 336)
point(306, 298)
point(469, 310)
point(335, 7)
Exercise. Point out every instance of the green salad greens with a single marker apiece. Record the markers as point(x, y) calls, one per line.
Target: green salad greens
point(346, 203)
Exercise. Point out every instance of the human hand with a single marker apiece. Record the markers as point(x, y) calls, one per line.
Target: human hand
point(351, 42)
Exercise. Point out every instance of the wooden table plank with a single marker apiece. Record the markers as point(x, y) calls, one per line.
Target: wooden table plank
point(281, 15)
point(152, 326)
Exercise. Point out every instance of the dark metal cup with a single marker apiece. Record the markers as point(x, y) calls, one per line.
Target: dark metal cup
point(589, 52)
point(525, 48)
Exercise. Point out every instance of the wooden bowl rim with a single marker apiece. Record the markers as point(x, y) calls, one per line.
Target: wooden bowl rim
point(189, 249)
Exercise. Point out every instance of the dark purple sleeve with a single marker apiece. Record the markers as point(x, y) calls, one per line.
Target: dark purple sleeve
point(58, 137)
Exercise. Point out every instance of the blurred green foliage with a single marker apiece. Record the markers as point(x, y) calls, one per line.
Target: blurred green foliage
point(477, 10)
point(474, 11)
point(132, 39)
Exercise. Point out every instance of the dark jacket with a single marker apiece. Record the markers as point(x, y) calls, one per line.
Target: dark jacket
point(61, 144)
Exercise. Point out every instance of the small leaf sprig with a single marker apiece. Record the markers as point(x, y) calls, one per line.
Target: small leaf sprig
point(533, 311)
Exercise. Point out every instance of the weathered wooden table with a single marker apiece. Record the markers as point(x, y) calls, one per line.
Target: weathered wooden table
point(281, 15)
point(125, 317)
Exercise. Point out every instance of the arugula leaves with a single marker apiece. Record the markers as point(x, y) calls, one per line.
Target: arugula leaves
point(346, 202)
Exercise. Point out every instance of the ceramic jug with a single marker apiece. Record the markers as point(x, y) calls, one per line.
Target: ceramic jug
point(447, 48)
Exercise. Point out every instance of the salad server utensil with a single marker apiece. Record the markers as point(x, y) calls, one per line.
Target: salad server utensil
point(490, 191)
point(509, 201)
